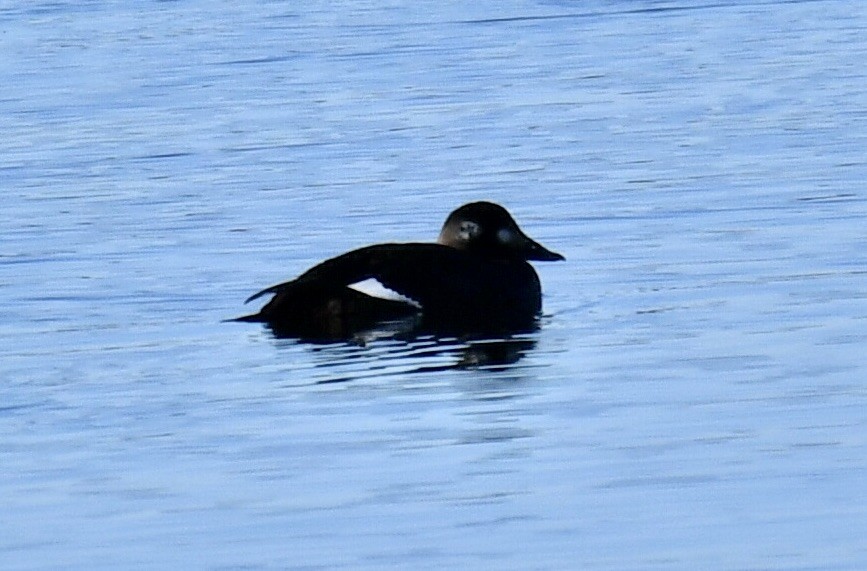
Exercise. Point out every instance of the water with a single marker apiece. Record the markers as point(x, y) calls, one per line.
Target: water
point(694, 399)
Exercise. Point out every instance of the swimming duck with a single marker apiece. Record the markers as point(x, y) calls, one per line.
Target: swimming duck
point(474, 279)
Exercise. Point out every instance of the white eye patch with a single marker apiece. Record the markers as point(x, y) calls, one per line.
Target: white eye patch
point(469, 230)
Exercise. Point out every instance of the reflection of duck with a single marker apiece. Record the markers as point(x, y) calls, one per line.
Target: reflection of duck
point(342, 364)
point(494, 353)
point(474, 279)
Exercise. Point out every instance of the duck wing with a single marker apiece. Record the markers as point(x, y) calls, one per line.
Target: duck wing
point(420, 272)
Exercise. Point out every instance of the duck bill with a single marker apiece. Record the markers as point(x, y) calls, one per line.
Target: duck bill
point(535, 251)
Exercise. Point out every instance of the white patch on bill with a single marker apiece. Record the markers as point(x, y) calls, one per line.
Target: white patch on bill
point(374, 288)
point(506, 236)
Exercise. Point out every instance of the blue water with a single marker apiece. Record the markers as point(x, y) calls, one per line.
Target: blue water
point(694, 399)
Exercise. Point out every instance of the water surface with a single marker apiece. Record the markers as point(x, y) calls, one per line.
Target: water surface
point(694, 398)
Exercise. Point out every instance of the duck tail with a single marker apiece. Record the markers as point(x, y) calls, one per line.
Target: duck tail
point(252, 318)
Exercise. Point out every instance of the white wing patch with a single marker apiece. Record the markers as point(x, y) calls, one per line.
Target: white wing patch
point(374, 288)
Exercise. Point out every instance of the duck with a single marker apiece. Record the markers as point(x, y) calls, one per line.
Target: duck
point(475, 279)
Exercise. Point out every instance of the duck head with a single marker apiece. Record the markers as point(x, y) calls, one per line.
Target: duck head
point(488, 228)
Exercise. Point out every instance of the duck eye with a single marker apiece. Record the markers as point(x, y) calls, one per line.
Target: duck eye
point(469, 230)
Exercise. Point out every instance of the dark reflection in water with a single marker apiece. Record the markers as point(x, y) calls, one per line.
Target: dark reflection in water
point(380, 355)
point(411, 346)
